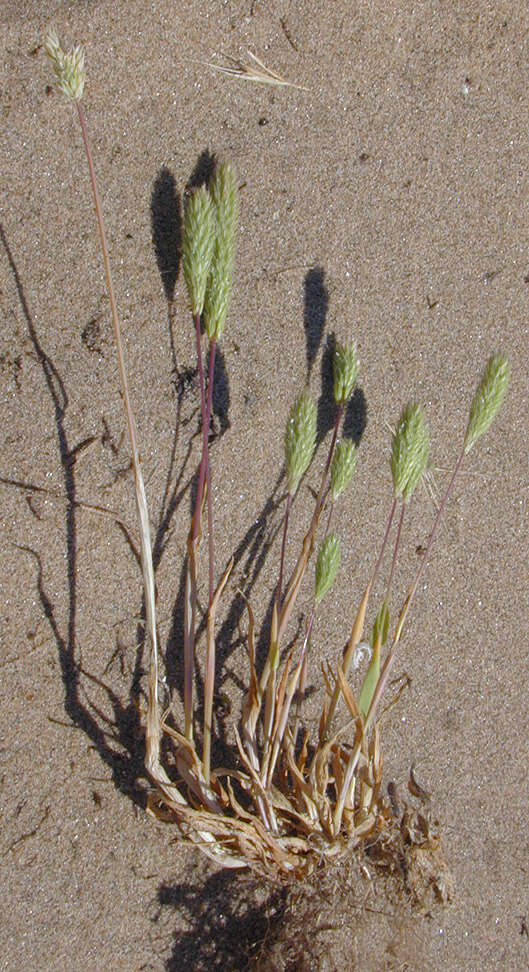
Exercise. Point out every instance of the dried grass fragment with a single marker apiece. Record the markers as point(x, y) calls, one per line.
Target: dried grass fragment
point(253, 70)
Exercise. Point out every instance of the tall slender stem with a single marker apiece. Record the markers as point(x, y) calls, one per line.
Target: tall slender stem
point(308, 542)
point(209, 407)
point(204, 476)
point(153, 722)
point(384, 542)
point(279, 592)
point(209, 681)
point(337, 421)
point(203, 414)
point(388, 664)
point(395, 551)
point(204, 481)
point(190, 601)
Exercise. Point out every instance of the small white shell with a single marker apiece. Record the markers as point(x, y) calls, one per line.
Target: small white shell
point(361, 652)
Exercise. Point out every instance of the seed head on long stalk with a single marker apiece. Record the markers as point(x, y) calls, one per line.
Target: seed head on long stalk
point(410, 452)
point(485, 406)
point(300, 440)
point(345, 372)
point(487, 400)
point(225, 200)
point(68, 66)
point(342, 467)
point(327, 566)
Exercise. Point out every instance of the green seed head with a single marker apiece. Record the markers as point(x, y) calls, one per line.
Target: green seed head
point(197, 246)
point(327, 566)
point(411, 449)
point(224, 194)
point(488, 399)
point(343, 467)
point(345, 372)
point(218, 292)
point(300, 440)
point(68, 66)
point(225, 197)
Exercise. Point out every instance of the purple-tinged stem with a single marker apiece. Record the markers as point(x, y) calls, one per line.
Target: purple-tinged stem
point(337, 421)
point(282, 610)
point(388, 664)
point(384, 542)
point(203, 412)
point(204, 482)
point(209, 406)
point(282, 619)
point(190, 602)
point(395, 550)
point(209, 680)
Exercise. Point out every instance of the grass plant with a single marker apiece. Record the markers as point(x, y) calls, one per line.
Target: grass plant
point(294, 796)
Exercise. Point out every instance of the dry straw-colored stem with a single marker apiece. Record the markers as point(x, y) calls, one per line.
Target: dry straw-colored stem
point(153, 727)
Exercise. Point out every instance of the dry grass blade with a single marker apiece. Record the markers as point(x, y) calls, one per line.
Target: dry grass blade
point(254, 685)
point(253, 70)
point(210, 670)
point(354, 640)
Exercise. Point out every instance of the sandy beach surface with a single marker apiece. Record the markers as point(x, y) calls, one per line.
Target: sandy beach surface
point(385, 199)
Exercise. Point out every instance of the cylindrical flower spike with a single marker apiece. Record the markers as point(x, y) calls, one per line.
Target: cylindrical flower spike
point(342, 468)
point(300, 440)
point(225, 197)
point(224, 193)
point(410, 452)
point(198, 239)
point(68, 66)
point(327, 566)
point(487, 400)
point(345, 372)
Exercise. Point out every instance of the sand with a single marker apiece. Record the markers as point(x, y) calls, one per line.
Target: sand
point(395, 190)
